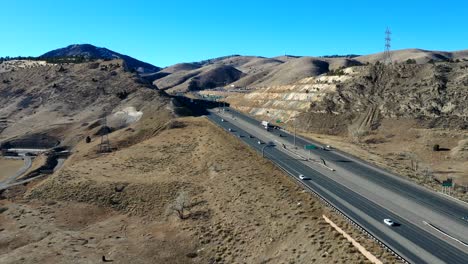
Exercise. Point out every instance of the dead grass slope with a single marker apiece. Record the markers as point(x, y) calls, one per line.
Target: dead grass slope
point(62, 100)
point(243, 208)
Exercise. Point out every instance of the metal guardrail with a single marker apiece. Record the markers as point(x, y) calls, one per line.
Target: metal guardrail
point(346, 217)
point(336, 209)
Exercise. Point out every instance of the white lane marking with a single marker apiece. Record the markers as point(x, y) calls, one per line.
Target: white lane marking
point(442, 232)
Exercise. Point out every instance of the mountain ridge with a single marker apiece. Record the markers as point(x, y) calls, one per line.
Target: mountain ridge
point(93, 52)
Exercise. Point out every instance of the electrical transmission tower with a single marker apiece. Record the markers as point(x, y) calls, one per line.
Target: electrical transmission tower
point(105, 146)
point(387, 54)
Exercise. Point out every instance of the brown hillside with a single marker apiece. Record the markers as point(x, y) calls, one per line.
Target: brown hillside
point(66, 99)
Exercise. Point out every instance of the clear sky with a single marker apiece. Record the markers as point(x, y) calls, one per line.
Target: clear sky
point(171, 31)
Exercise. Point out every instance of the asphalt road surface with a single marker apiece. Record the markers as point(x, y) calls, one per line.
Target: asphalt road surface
point(365, 193)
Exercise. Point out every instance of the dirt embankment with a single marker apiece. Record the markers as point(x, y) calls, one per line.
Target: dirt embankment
point(242, 209)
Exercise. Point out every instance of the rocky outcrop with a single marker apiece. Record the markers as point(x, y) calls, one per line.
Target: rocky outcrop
point(435, 94)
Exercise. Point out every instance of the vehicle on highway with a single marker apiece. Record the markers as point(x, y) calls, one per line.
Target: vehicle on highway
point(250, 136)
point(240, 135)
point(230, 129)
point(222, 119)
point(302, 177)
point(389, 222)
point(280, 135)
point(266, 125)
point(259, 142)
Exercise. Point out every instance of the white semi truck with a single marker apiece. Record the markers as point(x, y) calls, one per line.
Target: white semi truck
point(266, 125)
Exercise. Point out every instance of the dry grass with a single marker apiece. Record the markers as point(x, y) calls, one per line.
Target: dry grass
point(244, 210)
point(9, 167)
point(399, 143)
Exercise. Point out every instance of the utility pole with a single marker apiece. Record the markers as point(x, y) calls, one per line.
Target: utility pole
point(387, 54)
point(294, 132)
point(105, 144)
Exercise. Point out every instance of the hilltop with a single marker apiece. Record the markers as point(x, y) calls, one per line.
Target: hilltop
point(93, 52)
point(255, 71)
point(70, 101)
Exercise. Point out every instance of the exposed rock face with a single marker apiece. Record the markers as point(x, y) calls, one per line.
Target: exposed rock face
point(436, 94)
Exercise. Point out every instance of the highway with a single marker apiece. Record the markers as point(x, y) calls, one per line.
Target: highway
point(366, 194)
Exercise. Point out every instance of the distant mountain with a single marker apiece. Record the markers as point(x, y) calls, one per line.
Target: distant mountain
point(256, 71)
point(90, 51)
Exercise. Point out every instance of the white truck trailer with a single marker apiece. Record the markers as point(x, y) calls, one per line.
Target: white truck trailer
point(266, 125)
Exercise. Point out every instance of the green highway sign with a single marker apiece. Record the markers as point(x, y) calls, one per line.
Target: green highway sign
point(446, 184)
point(278, 121)
point(310, 147)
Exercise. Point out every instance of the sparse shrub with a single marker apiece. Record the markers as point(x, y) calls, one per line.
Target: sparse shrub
point(410, 61)
point(436, 147)
point(356, 134)
point(62, 69)
point(181, 205)
point(193, 85)
point(122, 95)
point(94, 65)
point(338, 72)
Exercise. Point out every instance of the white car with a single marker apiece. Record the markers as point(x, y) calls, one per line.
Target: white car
point(389, 222)
point(302, 177)
point(222, 120)
point(230, 129)
point(259, 142)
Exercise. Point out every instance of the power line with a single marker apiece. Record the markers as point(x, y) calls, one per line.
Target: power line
point(387, 54)
point(105, 146)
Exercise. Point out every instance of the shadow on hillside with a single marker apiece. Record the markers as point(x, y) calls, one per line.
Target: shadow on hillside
point(194, 107)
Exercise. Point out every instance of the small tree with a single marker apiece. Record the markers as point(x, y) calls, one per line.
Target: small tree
point(181, 205)
point(436, 147)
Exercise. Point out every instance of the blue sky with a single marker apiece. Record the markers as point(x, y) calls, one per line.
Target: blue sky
point(171, 31)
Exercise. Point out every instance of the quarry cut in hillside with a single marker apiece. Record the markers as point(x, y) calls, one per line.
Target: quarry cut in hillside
point(390, 115)
point(435, 94)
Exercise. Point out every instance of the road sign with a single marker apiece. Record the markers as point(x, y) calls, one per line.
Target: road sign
point(278, 121)
point(310, 147)
point(447, 183)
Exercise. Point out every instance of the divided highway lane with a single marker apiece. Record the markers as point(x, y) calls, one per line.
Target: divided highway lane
point(376, 175)
point(419, 245)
